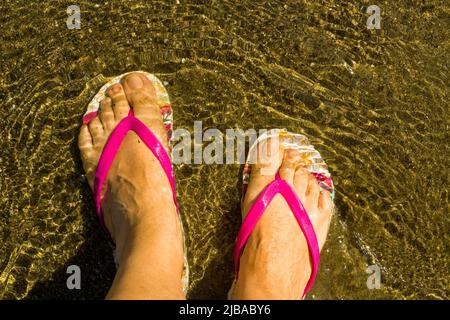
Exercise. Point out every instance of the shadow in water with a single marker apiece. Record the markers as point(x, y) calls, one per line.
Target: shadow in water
point(94, 257)
point(219, 273)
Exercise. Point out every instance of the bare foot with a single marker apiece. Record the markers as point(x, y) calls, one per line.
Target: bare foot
point(275, 263)
point(137, 201)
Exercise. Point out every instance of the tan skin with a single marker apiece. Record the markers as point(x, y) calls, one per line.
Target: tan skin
point(145, 227)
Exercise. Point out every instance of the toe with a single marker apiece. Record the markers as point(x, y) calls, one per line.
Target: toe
point(86, 146)
point(84, 139)
point(96, 130)
point(312, 192)
point(301, 179)
point(107, 114)
point(141, 95)
point(119, 101)
point(268, 160)
point(287, 169)
point(325, 202)
point(269, 156)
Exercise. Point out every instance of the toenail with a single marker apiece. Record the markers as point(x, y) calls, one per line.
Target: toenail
point(106, 101)
point(116, 89)
point(134, 82)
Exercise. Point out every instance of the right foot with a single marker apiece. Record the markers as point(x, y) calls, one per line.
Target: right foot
point(275, 263)
point(137, 202)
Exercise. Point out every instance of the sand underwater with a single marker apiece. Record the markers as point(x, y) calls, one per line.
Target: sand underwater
point(375, 103)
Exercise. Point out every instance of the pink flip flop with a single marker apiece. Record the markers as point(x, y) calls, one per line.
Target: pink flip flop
point(131, 123)
point(316, 165)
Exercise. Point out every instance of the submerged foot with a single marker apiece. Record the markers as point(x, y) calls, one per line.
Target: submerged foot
point(275, 263)
point(139, 211)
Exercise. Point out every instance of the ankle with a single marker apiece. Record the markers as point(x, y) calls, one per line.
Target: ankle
point(148, 237)
point(142, 275)
point(273, 266)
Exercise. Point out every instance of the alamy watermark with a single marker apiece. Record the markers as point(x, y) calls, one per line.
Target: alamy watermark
point(374, 280)
point(74, 19)
point(74, 280)
point(221, 148)
point(374, 20)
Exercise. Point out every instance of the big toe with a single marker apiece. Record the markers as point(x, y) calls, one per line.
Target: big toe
point(269, 156)
point(141, 95)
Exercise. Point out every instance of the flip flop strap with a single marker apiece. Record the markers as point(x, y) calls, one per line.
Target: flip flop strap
point(279, 186)
point(130, 123)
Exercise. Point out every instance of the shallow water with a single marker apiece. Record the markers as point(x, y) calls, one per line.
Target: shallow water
point(374, 102)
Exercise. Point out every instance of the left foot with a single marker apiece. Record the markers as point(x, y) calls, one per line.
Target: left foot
point(275, 263)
